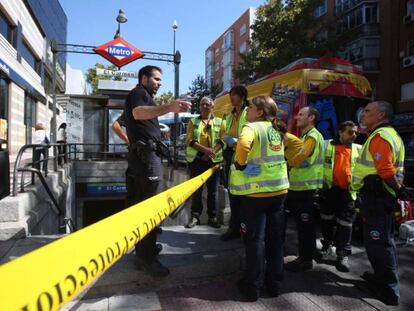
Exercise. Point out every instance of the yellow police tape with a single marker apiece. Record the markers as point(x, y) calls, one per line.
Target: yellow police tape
point(51, 276)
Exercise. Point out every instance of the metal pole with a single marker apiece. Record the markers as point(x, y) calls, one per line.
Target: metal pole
point(53, 129)
point(177, 60)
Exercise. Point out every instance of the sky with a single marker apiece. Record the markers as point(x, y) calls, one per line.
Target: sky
point(149, 28)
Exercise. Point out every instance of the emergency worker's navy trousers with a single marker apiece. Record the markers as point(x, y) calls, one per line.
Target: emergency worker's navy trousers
point(337, 210)
point(197, 167)
point(263, 231)
point(302, 205)
point(377, 208)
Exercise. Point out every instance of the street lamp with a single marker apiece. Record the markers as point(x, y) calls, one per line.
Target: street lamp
point(121, 18)
point(174, 27)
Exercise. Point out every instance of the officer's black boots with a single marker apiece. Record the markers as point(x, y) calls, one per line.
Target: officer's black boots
point(154, 268)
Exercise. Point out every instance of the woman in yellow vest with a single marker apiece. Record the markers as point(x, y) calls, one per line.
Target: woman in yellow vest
point(204, 141)
point(259, 177)
point(234, 121)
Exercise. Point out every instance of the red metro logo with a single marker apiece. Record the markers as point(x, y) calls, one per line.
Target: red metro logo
point(119, 52)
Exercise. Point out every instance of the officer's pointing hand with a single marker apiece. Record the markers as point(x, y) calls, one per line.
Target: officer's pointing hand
point(179, 106)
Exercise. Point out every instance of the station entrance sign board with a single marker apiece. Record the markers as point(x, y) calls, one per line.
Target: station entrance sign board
point(119, 52)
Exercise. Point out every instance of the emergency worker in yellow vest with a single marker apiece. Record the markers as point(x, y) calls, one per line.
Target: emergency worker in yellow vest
point(204, 141)
point(259, 178)
point(234, 123)
point(306, 176)
point(338, 208)
point(378, 175)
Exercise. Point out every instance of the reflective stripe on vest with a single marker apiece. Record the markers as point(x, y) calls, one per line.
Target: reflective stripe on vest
point(329, 163)
point(268, 153)
point(310, 177)
point(365, 163)
point(191, 152)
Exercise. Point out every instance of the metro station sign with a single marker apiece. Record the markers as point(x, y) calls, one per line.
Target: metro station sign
point(119, 52)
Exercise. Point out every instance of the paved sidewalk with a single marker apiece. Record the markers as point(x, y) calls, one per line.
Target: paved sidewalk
point(204, 271)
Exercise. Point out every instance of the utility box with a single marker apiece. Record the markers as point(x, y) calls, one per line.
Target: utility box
point(4, 171)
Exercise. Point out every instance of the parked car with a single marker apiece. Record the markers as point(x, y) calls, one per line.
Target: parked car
point(181, 149)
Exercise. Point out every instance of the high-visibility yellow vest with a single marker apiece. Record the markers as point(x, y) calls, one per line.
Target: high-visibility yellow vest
point(365, 164)
point(230, 119)
point(309, 177)
point(267, 152)
point(215, 128)
point(329, 163)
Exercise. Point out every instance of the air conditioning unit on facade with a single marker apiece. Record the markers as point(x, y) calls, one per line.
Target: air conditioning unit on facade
point(408, 61)
point(409, 18)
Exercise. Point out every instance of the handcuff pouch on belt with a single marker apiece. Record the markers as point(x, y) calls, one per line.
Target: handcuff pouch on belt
point(143, 149)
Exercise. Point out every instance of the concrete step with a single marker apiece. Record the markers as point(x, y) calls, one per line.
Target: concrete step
point(13, 230)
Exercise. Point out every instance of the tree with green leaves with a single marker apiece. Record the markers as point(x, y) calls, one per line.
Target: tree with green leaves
point(284, 31)
point(197, 90)
point(92, 78)
point(164, 98)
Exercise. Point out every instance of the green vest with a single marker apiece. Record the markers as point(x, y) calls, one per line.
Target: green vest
point(329, 162)
point(365, 164)
point(242, 121)
point(214, 134)
point(267, 152)
point(311, 176)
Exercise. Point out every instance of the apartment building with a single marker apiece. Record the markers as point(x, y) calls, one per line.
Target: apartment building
point(223, 55)
point(382, 44)
point(26, 68)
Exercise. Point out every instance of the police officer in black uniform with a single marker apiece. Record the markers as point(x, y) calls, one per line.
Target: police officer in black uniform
point(144, 156)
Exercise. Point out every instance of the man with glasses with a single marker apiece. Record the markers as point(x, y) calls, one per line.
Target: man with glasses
point(204, 141)
point(337, 208)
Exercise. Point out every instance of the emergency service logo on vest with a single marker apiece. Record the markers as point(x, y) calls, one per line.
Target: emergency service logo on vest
point(119, 52)
point(275, 142)
point(375, 235)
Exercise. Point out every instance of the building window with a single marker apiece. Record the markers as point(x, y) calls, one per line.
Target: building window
point(407, 91)
point(371, 14)
point(243, 47)
point(410, 48)
point(217, 66)
point(7, 30)
point(29, 116)
point(243, 29)
point(228, 40)
point(217, 51)
point(321, 9)
point(4, 98)
point(410, 7)
point(30, 58)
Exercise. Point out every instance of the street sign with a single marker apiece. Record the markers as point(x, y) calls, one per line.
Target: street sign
point(119, 52)
point(119, 73)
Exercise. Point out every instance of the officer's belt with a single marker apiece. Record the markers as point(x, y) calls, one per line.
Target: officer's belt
point(142, 145)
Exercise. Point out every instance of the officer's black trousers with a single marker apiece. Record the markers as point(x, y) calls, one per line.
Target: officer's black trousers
point(144, 180)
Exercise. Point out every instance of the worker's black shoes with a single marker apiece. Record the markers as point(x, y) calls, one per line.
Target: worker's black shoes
point(230, 235)
point(299, 265)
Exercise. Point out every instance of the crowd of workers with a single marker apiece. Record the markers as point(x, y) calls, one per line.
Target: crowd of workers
point(268, 168)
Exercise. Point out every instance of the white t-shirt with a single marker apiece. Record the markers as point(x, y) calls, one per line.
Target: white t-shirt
point(39, 137)
point(61, 134)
